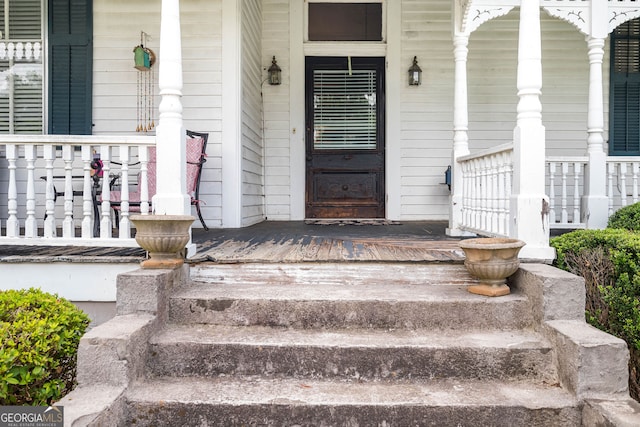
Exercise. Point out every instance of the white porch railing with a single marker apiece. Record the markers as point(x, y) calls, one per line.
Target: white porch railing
point(565, 183)
point(36, 171)
point(487, 180)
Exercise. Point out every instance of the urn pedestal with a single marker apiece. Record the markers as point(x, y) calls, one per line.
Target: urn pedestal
point(164, 237)
point(491, 260)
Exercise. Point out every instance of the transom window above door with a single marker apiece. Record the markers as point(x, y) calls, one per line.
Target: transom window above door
point(345, 21)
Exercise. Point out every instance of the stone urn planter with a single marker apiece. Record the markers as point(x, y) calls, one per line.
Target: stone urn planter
point(491, 260)
point(164, 237)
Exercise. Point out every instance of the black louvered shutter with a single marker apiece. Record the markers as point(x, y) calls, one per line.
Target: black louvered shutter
point(70, 66)
point(624, 129)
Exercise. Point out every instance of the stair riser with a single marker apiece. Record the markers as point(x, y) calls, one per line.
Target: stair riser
point(478, 314)
point(292, 413)
point(354, 363)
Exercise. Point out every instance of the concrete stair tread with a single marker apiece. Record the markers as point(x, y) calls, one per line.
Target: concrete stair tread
point(204, 334)
point(254, 390)
point(340, 292)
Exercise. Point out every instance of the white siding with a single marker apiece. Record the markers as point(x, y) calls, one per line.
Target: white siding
point(117, 25)
point(422, 150)
point(275, 41)
point(427, 111)
point(252, 145)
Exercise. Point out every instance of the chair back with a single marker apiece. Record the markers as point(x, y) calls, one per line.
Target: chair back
point(196, 153)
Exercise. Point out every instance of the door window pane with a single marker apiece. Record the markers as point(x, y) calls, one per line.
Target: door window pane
point(345, 21)
point(344, 109)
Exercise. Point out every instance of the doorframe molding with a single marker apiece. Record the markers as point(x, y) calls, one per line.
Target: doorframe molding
point(296, 112)
point(391, 50)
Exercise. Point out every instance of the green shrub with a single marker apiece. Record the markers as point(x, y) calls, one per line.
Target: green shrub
point(627, 218)
point(609, 261)
point(39, 337)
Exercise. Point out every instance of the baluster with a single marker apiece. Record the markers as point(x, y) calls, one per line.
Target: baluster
point(622, 179)
point(87, 199)
point(508, 190)
point(484, 185)
point(50, 228)
point(13, 226)
point(144, 183)
point(635, 167)
point(494, 192)
point(552, 192)
point(105, 221)
point(30, 224)
point(477, 196)
point(501, 194)
point(611, 169)
point(563, 198)
point(577, 170)
point(124, 227)
point(68, 230)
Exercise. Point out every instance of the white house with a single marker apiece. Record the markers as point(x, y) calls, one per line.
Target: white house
point(515, 96)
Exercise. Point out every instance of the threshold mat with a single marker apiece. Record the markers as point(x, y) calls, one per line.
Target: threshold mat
point(339, 222)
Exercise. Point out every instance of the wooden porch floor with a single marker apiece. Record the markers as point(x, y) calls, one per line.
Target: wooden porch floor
point(282, 241)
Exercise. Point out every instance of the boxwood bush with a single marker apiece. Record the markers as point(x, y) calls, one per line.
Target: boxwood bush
point(627, 218)
point(609, 261)
point(39, 337)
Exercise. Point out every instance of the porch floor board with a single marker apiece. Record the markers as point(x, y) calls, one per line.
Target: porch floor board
point(281, 241)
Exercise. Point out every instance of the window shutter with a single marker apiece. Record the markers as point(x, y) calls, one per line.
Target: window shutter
point(70, 66)
point(624, 132)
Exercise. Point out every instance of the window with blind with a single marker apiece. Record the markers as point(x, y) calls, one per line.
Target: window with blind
point(344, 109)
point(624, 128)
point(21, 66)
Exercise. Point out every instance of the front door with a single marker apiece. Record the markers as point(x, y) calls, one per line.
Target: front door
point(345, 137)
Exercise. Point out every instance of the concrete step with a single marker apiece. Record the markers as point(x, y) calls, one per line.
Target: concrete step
point(256, 401)
point(356, 354)
point(346, 305)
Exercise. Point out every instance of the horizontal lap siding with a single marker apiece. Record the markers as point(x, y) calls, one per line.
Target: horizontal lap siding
point(275, 41)
point(426, 110)
point(252, 145)
point(117, 26)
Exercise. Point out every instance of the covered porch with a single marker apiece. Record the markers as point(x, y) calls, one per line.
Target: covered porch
point(518, 189)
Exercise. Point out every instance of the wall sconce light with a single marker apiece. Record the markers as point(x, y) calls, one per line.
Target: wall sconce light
point(274, 73)
point(415, 73)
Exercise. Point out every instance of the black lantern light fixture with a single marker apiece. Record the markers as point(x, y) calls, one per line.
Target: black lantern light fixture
point(274, 73)
point(415, 73)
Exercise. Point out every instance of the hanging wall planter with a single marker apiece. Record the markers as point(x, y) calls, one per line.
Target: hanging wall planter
point(491, 260)
point(164, 237)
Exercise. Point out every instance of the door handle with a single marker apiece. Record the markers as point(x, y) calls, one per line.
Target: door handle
point(348, 157)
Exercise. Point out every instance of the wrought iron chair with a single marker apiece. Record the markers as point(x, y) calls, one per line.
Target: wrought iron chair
point(196, 151)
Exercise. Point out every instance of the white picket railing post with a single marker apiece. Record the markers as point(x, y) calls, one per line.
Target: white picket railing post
point(50, 229)
point(30, 225)
point(577, 172)
point(124, 226)
point(563, 212)
point(105, 220)
point(13, 226)
point(87, 200)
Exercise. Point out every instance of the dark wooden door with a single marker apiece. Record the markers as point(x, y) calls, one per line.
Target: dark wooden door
point(345, 137)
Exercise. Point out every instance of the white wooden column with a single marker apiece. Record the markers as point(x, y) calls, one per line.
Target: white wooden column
point(529, 210)
point(594, 202)
point(170, 198)
point(231, 114)
point(460, 128)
